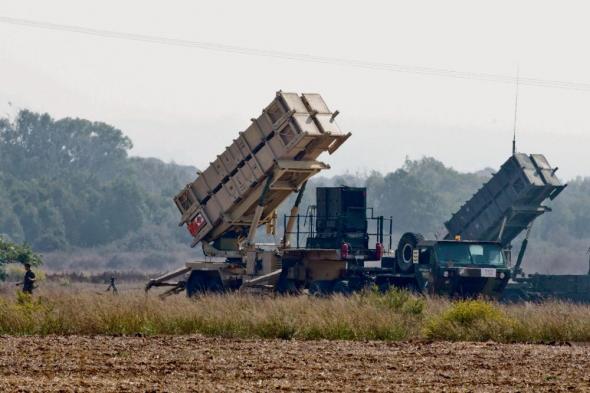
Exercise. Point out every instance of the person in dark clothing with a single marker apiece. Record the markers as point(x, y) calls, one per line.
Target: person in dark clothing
point(112, 285)
point(28, 280)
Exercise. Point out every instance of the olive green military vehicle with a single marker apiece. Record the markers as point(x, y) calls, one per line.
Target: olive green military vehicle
point(506, 206)
point(457, 268)
point(342, 220)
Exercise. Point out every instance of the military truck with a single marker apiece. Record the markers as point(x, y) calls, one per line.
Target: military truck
point(464, 259)
point(507, 206)
point(342, 220)
point(269, 161)
point(458, 268)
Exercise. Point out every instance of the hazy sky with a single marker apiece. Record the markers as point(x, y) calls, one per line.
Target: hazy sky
point(186, 104)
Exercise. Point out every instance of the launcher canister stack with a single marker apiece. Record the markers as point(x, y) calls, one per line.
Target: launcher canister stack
point(509, 202)
point(269, 161)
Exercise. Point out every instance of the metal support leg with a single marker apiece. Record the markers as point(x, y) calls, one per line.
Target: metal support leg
point(521, 252)
point(294, 212)
point(258, 212)
point(504, 220)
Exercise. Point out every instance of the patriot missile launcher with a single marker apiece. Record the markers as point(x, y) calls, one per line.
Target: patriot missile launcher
point(240, 191)
point(508, 203)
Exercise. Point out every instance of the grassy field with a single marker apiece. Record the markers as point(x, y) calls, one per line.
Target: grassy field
point(393, 316)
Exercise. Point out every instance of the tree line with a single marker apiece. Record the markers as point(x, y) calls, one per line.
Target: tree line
point(70, 184)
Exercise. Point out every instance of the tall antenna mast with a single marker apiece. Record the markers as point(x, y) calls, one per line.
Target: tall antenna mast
point(515, 111)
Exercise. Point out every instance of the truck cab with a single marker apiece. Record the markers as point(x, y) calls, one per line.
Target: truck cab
point(457, 267)
point(468, 268)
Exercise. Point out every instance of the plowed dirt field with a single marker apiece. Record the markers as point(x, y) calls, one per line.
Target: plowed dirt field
point(195, 363)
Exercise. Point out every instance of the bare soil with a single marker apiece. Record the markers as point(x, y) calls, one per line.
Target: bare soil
point(195, 363)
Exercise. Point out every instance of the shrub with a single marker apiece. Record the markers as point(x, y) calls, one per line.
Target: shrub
point(471, 320)
point(397, 300)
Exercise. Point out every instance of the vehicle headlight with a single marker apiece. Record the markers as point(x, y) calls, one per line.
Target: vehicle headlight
point(445, 274)
point(502, 275)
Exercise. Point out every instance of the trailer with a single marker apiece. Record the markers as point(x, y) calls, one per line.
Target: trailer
point(240, 191)
point(538, 287)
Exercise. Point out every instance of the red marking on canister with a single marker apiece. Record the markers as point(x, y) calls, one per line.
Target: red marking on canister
point(378, 250)
point(344, 249)
point(195, 226)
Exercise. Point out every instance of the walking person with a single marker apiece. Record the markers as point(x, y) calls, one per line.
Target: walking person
point(112, 285)
point(28, 280)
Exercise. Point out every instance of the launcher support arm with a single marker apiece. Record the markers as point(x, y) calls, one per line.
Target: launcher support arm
point(521, 252)
point(292, 217)
point(163, 280)
point(258, 212)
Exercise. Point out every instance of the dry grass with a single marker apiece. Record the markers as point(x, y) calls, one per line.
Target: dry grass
point(366, 316)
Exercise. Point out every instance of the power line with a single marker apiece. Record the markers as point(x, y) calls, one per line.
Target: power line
point(217, 47)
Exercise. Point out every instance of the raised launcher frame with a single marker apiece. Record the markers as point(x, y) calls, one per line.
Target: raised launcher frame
point(508, 204)
point(241, 189)
point(274, 156)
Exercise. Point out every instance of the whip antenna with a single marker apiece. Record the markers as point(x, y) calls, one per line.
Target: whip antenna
point(515, 112)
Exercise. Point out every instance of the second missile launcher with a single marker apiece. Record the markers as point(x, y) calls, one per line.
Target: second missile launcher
point(509, 202)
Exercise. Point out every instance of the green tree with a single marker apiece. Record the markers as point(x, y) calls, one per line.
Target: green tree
point(35, 145)
point(16, 253)
point(411, 203)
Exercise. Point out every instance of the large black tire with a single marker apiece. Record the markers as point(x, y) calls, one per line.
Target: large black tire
point(315, 289)
point(285, 285)
point(405, 251)
point(321, 288)
point(288, 287)
point(200, 282)
point(342, 287)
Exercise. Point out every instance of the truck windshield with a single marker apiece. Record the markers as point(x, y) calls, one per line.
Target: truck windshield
point(469, 254)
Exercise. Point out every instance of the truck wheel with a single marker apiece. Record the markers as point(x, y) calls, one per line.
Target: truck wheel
point(287, 287)
point(342, 287)
point(320, 288)
point(315, 289)
point(405, 251)
point(383, 284)
point(201, 282)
